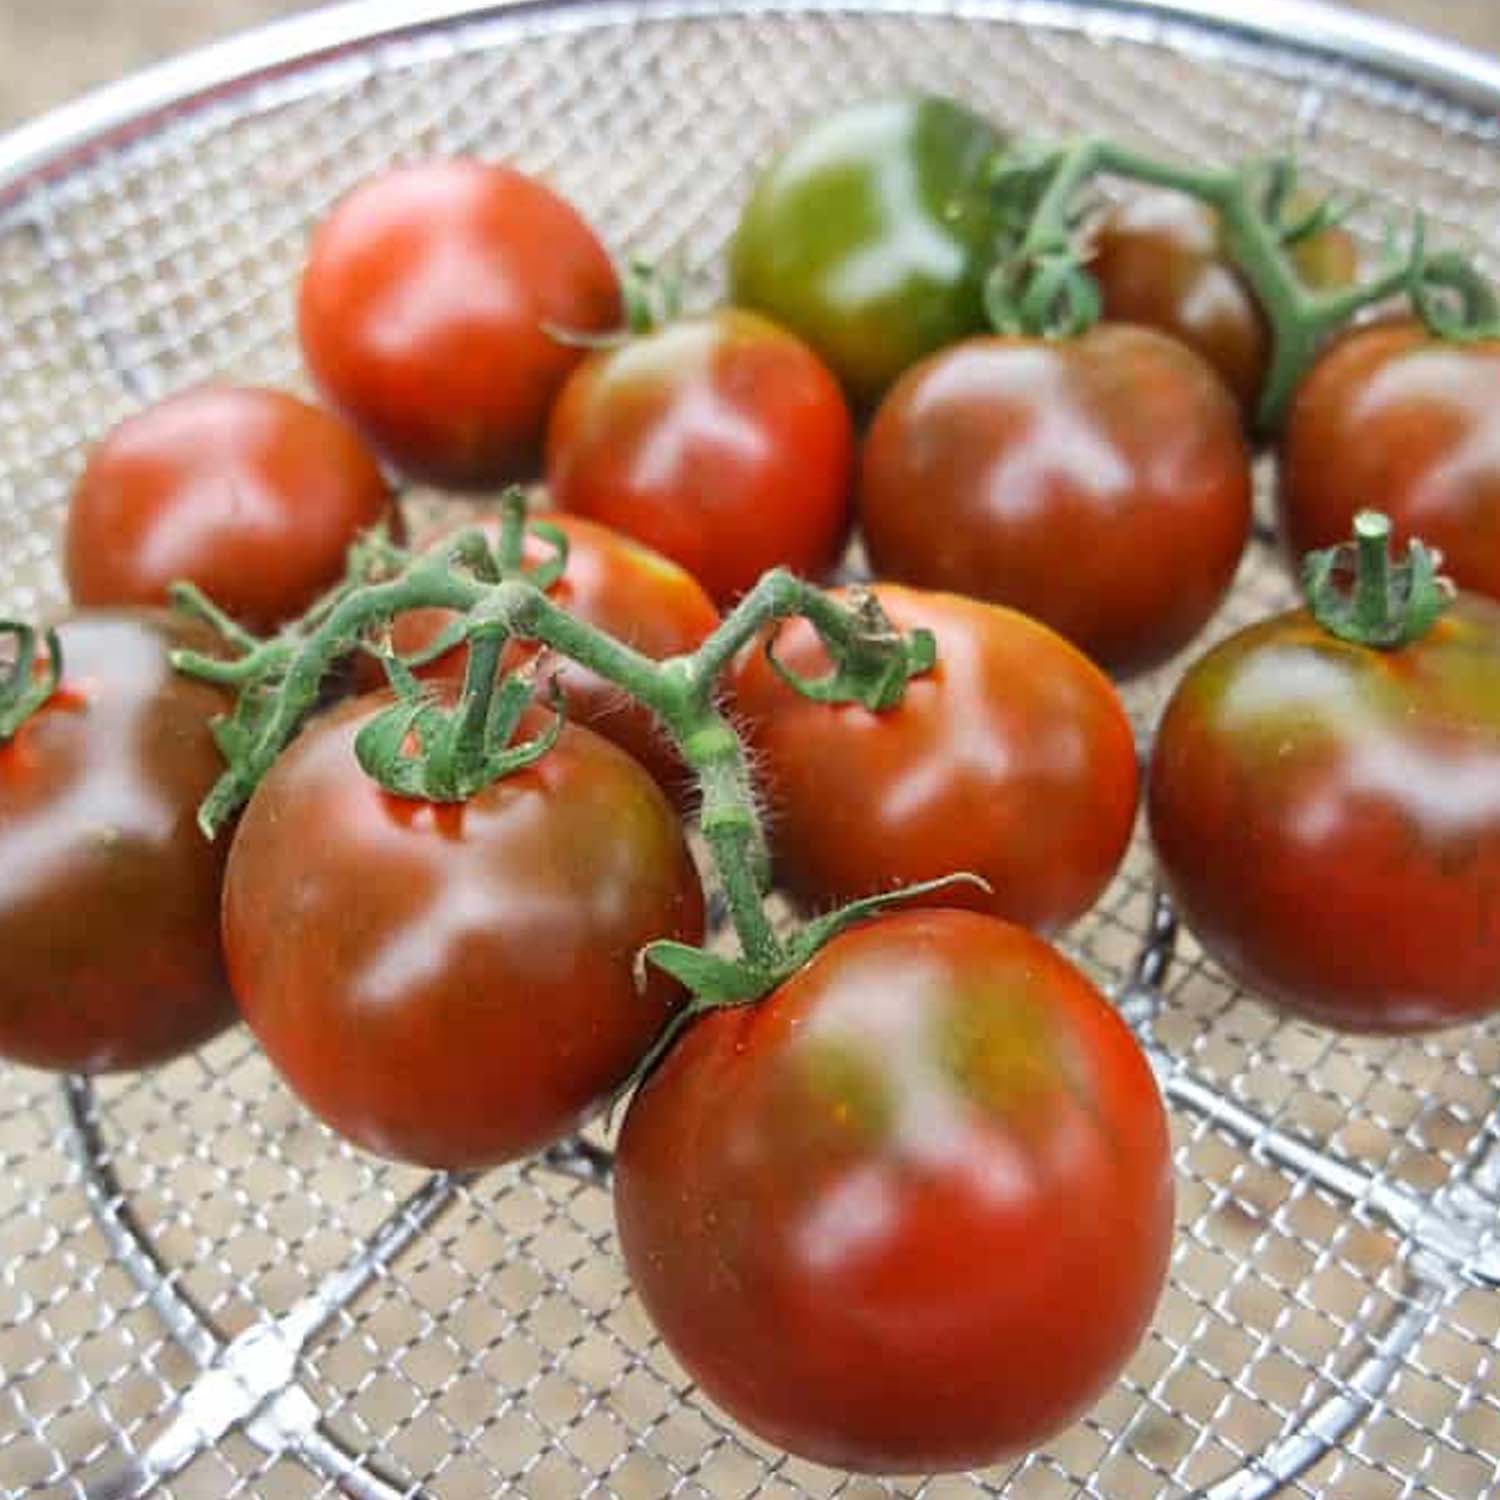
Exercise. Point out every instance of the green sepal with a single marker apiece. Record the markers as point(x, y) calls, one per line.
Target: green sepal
point(871, 667)
point(710, 978)
point(22, 689)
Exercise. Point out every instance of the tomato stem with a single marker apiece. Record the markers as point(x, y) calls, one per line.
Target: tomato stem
point(420, 747)
point(27, 683)
point(1359, 594)
point(1040, 286)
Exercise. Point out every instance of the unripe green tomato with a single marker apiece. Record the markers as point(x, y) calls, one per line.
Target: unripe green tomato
point(870, 235)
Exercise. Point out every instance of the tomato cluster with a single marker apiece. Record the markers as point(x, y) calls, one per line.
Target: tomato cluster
point(895, 1188)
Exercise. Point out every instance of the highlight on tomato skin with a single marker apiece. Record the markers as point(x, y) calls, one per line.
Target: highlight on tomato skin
point(719, 440)
point(109, 895)
point(1012, 759)
point(1100, 484)
point(429, 312)
point(452, 984)
point(1327, 818)
point(611, 581)
point(251, 494)
point(912, 1212)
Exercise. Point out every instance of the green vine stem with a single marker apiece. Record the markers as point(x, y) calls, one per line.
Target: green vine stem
point(1042, 287)
point(1384, 604)
point(464, 744)
point(23, 688)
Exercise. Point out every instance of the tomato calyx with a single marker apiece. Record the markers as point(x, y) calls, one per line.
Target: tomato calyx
point(29, 681)
point(651, 296)
point(1357, 592)
point(716, 982)
point(872, 663)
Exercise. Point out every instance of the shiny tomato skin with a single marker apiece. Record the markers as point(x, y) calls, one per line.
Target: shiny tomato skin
point(1327, 818)
point(109, 894)
point(871, 233)
point(1012, 759)
point(428, 311)
point(1160, 261)
point(452, 985)
point(1100, 484)
point(616, 584)
point(250, 493)
point(913, 1211)
point(1395, 419)
point(721, 441)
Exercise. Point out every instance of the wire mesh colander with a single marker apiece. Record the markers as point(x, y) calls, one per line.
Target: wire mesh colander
point(204, 1294)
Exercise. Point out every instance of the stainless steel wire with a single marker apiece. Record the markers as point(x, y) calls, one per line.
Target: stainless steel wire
point(204, 1294)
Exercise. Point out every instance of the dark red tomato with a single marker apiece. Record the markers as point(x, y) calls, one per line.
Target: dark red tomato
point(428, 311)
point(1395, 418)
point(452, 984)
point(913, 1211)
point(722, 441)
point(1101, 485)
point(1159, 260)
point(250, 493)
point(1327, 817)
point(622, 587)
point(1012, 759)
point(109, 895)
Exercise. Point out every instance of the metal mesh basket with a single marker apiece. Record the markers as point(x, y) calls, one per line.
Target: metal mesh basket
point(204, 1294)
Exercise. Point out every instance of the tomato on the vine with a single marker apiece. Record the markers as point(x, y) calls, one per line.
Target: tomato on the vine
point(721, 441)
point(871, 234)
point(109, 895)
point(611, 581)
point(911, 1212)
point(430, 312)
point(249, 493)
point(452, 984)
point(1327, 817)
point(1012, 759)
point(1159, 259)
point(1100, 484)
point(1396, 417)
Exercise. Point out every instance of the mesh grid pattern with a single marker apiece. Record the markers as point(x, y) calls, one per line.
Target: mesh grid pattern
point(1331, 1324)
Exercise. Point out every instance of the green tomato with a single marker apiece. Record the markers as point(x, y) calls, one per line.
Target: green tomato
point(871, 234)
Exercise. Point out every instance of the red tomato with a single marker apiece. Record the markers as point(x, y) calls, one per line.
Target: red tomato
point(913, 1211)
point(1012, 759)
point(1101, 485)
point(250, 493)
point(623, 588)
point(109, 895)
point(1327, 817)
point(722, 441)
point(1159, 260)
point(1395, 418)
point(452, 984)
point(428, 311)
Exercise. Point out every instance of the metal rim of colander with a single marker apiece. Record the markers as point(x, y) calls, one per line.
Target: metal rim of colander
point(35, 152)
point(250, 1381)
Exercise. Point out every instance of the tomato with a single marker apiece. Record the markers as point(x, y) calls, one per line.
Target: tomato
point(109, 895)
point(250, 493)
point(721, 441)
point(1327, 817)
point(1159, 259)
point(1394, 417)
point(428, 312)
point(623, 588)
point(1012, 759)
point(1101, 484)
point(451, 984)
point(871, 234)
point(913, 1211)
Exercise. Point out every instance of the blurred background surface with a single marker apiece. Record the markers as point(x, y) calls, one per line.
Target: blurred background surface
point(51, 50)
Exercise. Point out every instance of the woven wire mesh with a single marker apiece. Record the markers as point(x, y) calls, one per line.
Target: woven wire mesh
point(204, 1294)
